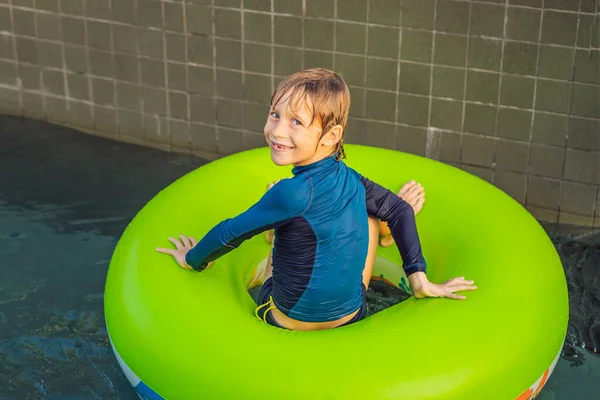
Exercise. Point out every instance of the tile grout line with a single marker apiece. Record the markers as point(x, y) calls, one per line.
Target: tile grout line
point(272, 15)
point(334, 31)
point(534, 102)
point(499, 97)
point(464, 97)
point(114, 80)
point(19, 82)
point(166, 73)
point(215, 81)
point(139, 75)
point(187, 75)
point(431, 131)
point(397, 140)
point(366, 55)
point(569, 114)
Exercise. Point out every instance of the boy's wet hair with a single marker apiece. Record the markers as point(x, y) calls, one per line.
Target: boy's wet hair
point(329, 99)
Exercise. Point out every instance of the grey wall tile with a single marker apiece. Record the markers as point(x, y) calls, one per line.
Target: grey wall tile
point(513, 184)
point(320, 8)
point(230, 113)
point(75, 59)
point(523, 24)
point(485, 53)
point(103, 91)
point(575, 219)
point(257, 58)
point(450, 146)
point(200, 80)
point(384, 12)
point(130, 123)
point(151, 43)
point(587, 66)
point(381, 105)
point(228, 23)
point(287, 60)
point(586, 101)
point(80, 114)
point(317, 59)
point(257, 27)
point(379, 134)
point(582, 166)
point(450, 50)
point(288, 6)
point(27, 50)
point(24, 22)
point(351, 38)
point(199, 20)
point(255, 117)
point(125, 38)
point(56, 109)
point(446, 114)
point(154, 101)
point(129, 96)
point(229, 84)
point(584, 134)
point(96, 9)
point(229, 54)
point(483, 173)
point(352, 10)
point(178, 105)
point(358, 99)
point(73, 7)
point(229, 141)
point(78, 87)
point(352, 68)
point(98, 35)
point(550, 68)
point(383, 42)
point(200, 50)
point(53, 82)
point(257, 88)
point(175, 46)
point(149, 13)
point(543, 192)
point(203, 138)
point(549, 129)
point(126, 68)
point(49, 54)
point(452, 16)
point(512, 156)
point(121, 10)
point(202, 109)
point(260, 5)
point(571, 5)
point(513, 123)
point(318, 34)
point(448, 82)
point(418, 13)
point(100, 63)
point(381, 74)
point(173, 19)
point(48, 27)
point(559, 28)
point(411, 140)
point(487, 19)
point(412, 110)
point(517, 91)
point(73, 30)
point(288, 31)
point(480, 119)
point(414, 78)
point(547, 161)
point(520, 58)
point(478, 150)
point(30, 76)
point(152, 73)
point(8, 73)
point(180, 134)
point(552, 96)
point(176, 76)
point(578, 198)
point(588, 33)
point(416, 45)
point(482, 87)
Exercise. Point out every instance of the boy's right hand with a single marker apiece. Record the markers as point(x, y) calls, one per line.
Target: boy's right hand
point(186, 244)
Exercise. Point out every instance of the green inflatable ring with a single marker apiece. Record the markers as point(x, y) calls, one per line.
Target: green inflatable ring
point(186, 335)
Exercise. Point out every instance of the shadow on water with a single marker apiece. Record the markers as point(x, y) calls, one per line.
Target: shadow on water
point(66, 197)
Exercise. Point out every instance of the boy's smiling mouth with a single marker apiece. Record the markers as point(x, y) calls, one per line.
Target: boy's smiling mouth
point(279, 147)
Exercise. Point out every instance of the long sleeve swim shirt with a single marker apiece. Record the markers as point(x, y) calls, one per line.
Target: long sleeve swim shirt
point(320, 217)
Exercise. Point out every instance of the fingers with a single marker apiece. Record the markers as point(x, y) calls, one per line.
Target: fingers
point(165, 251)
point(186, 241)
point(175, 242)
point(194, 241)
point(455, 296)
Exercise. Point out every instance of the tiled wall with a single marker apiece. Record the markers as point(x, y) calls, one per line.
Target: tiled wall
point(508, 90)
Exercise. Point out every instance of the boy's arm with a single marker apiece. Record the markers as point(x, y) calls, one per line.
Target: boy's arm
point(279, 204)
point(387, 206)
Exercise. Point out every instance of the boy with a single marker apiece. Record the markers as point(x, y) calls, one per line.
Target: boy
point(325, 217)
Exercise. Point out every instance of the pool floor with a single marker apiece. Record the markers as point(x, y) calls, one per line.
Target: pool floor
point(65, 199)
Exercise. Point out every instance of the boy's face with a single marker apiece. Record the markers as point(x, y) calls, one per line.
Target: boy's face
point(291, 139)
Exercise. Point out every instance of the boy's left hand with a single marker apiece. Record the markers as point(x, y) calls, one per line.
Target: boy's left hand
point(421, 287)
point(186, 244)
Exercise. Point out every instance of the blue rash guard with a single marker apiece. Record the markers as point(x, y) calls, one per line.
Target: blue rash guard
point(321, 238)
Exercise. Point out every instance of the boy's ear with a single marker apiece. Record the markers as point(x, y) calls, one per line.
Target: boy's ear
point(333, 136)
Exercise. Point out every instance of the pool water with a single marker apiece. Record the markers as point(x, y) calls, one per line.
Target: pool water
point(66, 197)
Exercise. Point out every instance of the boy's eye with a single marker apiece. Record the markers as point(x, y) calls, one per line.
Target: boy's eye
point(298, 122)
point(274, 115)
